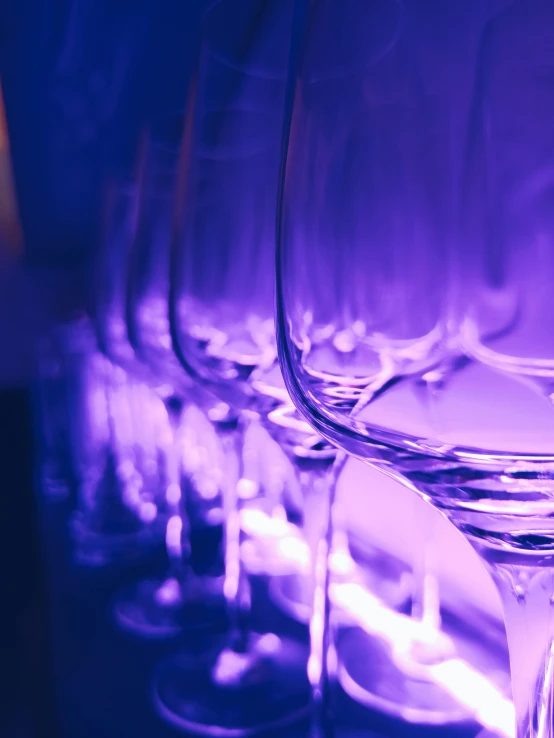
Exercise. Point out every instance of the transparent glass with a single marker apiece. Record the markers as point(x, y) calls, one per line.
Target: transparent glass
point(117, 513)
point(146, 270)
point(415, 247)
point(222, 322)
point(137, 222)
point(118, 229)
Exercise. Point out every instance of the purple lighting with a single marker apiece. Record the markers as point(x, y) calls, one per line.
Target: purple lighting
point(310, 419)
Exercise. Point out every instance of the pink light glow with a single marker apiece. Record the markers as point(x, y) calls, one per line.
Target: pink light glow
point(468, 686)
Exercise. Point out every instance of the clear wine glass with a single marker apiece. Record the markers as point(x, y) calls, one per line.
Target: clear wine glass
point(154, 607)
point(221, 315)
point(116, 516)
point(177, 600)
point(390, 281)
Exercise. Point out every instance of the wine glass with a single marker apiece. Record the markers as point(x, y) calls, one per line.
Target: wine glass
point(153, 607)
point(221, 316)
point(391, 280)
point(163, 606)
point(116, 515)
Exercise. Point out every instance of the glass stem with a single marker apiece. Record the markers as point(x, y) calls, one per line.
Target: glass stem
point(177, 539)
point(527, 595)
point(425, 586)
point(318, 484)
point(236, 587)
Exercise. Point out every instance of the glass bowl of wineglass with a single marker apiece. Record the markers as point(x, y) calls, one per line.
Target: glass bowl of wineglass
point(414, 310)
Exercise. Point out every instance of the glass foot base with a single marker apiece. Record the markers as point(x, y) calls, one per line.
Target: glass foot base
point(231, 695)
point(156, 609)
point(369, 673)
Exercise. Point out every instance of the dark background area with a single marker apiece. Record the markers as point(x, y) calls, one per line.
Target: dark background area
point(80, 79)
